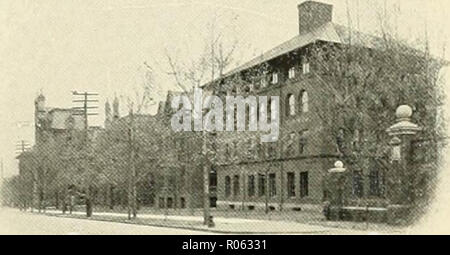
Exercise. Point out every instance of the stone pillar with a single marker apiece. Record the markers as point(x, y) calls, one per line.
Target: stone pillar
point(399, 179)
point(337, 185)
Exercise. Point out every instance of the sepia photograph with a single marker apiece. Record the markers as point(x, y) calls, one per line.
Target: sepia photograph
point(196, 117)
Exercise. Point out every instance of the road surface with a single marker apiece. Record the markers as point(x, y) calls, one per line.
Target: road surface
point(14, 222)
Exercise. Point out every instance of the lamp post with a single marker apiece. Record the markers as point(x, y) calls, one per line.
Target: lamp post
point(401, 176)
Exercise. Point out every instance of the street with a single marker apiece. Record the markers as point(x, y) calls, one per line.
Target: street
point(14, 222)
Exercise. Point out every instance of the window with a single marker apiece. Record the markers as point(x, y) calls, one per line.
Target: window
point(169, 202)
point(261, 185)
point(274, 78)
point(305, 68)
point(340, 141)
point(291, 73)
point(375, 182)
point(263, 82)
point(272, 185)
point(289, 147)
point(161, 202)
point(227, 186)
point(357, 184)
point(291, 184)
point(251, 185)
point(303, 140)
point(234, 91)
point(304, 190)
point(247, 117)
point(255, 84)
point(269, 108)
point(356, 140)
point(235, 117)
point(182, 202)
point(235, 149)
point(213, 177)
point(236, 188)
point(290, 106)
point(304, 101)
point(227, 151)
point(251, 87)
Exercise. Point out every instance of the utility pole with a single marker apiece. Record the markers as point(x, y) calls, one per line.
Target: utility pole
point(22, 146)
point(206, 212)
point(85, 98)
point(281, 113)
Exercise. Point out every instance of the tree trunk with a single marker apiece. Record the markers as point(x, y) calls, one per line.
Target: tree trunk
point(111, 197)
point(57, 199)
point(35, 196)
point(88, 201)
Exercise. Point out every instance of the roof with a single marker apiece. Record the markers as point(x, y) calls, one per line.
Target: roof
point(329, 32)
point(326, 32)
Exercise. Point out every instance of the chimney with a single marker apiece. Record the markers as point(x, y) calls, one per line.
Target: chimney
point(312, 15)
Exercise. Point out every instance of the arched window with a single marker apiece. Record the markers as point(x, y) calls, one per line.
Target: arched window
point(290, 105)
point(227, 186)
point(304, 101)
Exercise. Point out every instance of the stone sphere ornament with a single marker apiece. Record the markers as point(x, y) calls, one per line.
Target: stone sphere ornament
point(338, 167)
point(404, 126)
point(404, 112)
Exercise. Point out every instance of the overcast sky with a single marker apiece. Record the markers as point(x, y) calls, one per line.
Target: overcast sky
point(62, 45)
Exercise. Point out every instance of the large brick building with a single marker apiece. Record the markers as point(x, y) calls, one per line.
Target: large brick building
point(290, 173)
point(287, 173)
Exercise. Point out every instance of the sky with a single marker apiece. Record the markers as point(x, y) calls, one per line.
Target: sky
point(57, 46)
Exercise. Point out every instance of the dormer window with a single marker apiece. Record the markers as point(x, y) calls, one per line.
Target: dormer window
point(247, 89)
point(263, 82)
point(234, 91)
point(305, 67)
point(291, 73)
point(274, 78)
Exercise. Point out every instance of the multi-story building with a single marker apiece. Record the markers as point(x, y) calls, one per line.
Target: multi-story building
point(289, 173)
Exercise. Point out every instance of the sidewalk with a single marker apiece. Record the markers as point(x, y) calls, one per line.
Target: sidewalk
point(227, 225)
